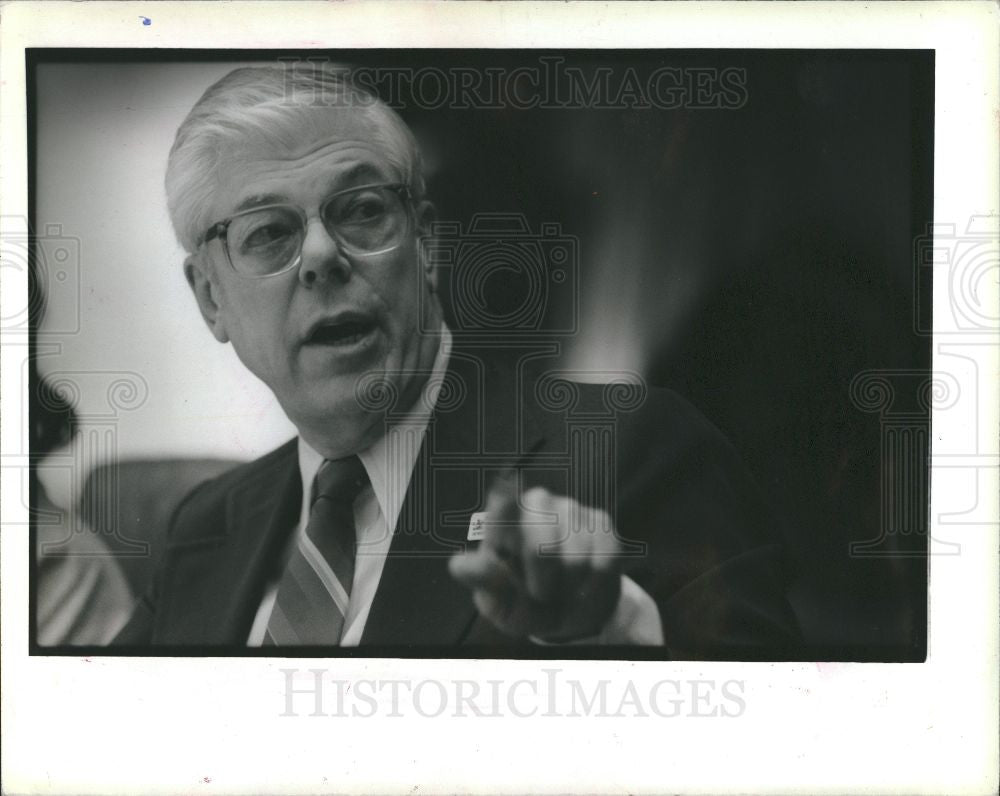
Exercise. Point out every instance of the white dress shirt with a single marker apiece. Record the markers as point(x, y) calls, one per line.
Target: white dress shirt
point(389, 464)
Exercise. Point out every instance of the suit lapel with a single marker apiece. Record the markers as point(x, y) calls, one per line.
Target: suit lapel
point(467, 443)
point(218, 579)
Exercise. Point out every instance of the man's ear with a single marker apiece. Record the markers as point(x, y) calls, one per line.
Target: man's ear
point(206, 294)
point(426, 213)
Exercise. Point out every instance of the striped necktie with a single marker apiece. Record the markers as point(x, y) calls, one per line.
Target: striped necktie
point(312, 597)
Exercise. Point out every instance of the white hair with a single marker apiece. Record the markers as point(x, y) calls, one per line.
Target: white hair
point(273, 101)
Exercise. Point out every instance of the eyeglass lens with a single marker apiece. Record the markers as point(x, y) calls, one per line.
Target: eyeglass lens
point(366, 221)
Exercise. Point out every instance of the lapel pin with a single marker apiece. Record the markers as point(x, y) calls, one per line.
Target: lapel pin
point(477, 526)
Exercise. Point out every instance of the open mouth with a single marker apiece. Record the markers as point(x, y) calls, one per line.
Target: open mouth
point(341, 333)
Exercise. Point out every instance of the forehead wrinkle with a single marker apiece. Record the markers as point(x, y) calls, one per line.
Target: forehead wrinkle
point(318, 148)
point(352, 164)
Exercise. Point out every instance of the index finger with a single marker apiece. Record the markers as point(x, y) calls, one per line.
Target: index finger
point(503, 519)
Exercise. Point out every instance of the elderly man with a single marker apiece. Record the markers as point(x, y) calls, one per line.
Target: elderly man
point(434, 495)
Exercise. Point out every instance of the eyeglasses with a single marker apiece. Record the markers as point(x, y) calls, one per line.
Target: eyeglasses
point(267, 241)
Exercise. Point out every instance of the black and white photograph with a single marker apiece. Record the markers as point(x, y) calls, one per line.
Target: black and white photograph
point(537, 378)
point(550, 376)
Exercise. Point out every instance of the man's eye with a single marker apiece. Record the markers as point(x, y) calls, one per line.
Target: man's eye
point(363, 209)
point(265, 235)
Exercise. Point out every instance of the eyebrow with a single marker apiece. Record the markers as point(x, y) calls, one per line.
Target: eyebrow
point(356, 171)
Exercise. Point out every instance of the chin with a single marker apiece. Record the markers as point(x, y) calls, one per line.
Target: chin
point(337, 427)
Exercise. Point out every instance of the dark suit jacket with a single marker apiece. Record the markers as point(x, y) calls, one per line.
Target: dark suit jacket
point(695, 534)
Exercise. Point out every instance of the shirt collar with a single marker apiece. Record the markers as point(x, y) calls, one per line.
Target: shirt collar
point(390, 460)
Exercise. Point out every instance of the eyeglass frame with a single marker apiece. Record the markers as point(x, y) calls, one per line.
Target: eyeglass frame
point(220, 228)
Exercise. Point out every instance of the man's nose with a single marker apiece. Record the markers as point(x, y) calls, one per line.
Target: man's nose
point(322, 259)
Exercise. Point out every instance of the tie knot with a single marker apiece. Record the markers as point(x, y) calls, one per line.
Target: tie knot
point(340, 479)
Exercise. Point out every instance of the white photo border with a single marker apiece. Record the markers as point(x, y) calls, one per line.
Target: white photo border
point(167, 725)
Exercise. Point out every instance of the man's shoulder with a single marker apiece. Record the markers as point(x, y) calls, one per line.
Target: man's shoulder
point(256, 477)
point(267, 465)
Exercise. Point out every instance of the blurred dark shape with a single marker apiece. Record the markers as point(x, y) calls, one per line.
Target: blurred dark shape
point(134, 500)
point(80, 594)
point(53, 419)
point(81, 597)
point(770, 359)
